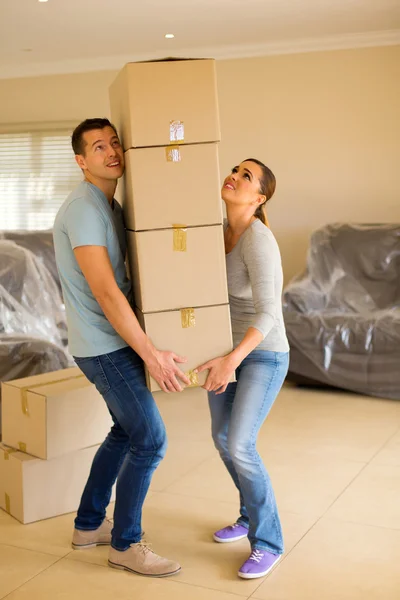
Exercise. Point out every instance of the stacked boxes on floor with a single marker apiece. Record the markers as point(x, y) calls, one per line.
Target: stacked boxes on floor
point(166, 113)
point(52, 427)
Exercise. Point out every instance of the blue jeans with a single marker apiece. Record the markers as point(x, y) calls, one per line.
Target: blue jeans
point(237, 416)
point(132, 450)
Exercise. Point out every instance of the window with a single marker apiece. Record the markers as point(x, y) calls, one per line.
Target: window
point(37, 172)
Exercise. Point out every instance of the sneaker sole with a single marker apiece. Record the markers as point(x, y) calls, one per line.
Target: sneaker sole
point(124, 568)
point(229, 540)
point(93, 545)
point(256, 575)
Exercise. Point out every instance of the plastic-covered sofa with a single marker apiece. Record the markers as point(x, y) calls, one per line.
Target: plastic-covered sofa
point(32, 315)
point(40, 243)
point(342, 315)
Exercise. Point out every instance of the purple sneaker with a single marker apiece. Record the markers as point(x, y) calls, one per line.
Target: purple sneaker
point(259, 563)
point(232, 533)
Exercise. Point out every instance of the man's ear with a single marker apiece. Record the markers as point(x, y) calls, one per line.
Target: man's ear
point(80, 160)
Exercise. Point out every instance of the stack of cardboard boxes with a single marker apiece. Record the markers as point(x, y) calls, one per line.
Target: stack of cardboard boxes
point(166, 113)
point(52, 427)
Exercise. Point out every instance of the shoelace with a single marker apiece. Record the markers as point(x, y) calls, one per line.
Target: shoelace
point(256, 555)
point(235, 525)
point(144, 546)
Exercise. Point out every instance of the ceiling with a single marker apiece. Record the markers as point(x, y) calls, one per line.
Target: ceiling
point(62, 36)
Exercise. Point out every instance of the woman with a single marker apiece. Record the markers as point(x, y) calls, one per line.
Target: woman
point(260, 359)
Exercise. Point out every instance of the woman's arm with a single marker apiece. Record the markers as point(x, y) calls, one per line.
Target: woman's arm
point(260, 256)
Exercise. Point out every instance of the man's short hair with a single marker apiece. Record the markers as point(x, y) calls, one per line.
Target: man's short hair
point(78, 143)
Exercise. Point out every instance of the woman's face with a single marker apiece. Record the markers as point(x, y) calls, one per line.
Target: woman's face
point(242, 186)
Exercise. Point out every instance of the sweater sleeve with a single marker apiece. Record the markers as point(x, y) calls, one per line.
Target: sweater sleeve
point(260, 256)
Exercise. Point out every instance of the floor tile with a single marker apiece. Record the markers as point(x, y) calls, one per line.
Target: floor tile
point(18, 566)
point(70, 580)
point(338, 561)
point(372, 499)
point(183, 455)
point(51, 536)
point(303, 483)
point(346, 426)
point(390, 454)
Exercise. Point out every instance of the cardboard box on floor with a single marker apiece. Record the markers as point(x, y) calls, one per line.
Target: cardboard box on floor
point(177, 268)
point(165, 102)
point(32, 489)
point(163, 187)
point(200, 334)
point(53, 414)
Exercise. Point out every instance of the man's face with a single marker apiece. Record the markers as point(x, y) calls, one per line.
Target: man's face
point(103, 156)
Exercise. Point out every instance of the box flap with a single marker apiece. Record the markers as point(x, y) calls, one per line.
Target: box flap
point(44, 378)
point(167, 59)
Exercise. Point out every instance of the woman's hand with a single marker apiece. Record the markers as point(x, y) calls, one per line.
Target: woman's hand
point(220, 373)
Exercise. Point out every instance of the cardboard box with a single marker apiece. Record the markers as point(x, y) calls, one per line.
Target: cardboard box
point(199, 334)
point(166, 102)
point(177, 268)
point(32, 489)
point(168, 185)
point(53, 414)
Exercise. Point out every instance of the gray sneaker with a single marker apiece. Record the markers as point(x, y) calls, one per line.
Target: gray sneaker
point(140, 559)
point(95, 537)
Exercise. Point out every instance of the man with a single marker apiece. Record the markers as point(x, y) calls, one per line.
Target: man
point(110, 347)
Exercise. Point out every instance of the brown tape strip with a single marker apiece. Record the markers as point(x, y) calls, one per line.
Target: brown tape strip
point(188, 318)
point(176, 131)
point(173, 154)
point(179, 241)
point(22, 446)
point(28, 388)
point(8, 503)
point(8, 452)
point(193, 378)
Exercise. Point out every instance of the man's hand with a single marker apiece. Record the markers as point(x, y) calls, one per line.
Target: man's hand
point(163, 368)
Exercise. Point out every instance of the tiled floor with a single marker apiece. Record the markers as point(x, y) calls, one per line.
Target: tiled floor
point(334, 459)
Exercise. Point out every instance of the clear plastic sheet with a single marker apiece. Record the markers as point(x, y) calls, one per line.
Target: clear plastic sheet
point(22, 356)
point(30, 302)
point(342, 315)
point(40, 243)
point(32, 316)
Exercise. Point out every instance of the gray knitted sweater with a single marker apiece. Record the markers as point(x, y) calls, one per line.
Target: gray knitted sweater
point(255, 281)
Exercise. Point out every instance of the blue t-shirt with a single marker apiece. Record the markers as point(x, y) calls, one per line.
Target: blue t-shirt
point(87, 219)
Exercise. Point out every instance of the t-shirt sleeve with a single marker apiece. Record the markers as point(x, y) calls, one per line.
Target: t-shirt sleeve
point(260, 257)
point(85, 224)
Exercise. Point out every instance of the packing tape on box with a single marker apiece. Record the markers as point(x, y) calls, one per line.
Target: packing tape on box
point(28, 388)
point(8, 503)
point(22, 446)
point(6, 453)
point(188, 318)
point(179, 240)
point(193, 378)
point(176, 131)
point(173, 154)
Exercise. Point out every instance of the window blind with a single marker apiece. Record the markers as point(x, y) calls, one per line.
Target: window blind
point(37, 172)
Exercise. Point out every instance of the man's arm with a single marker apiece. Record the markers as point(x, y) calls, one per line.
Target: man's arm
point(95, 265)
